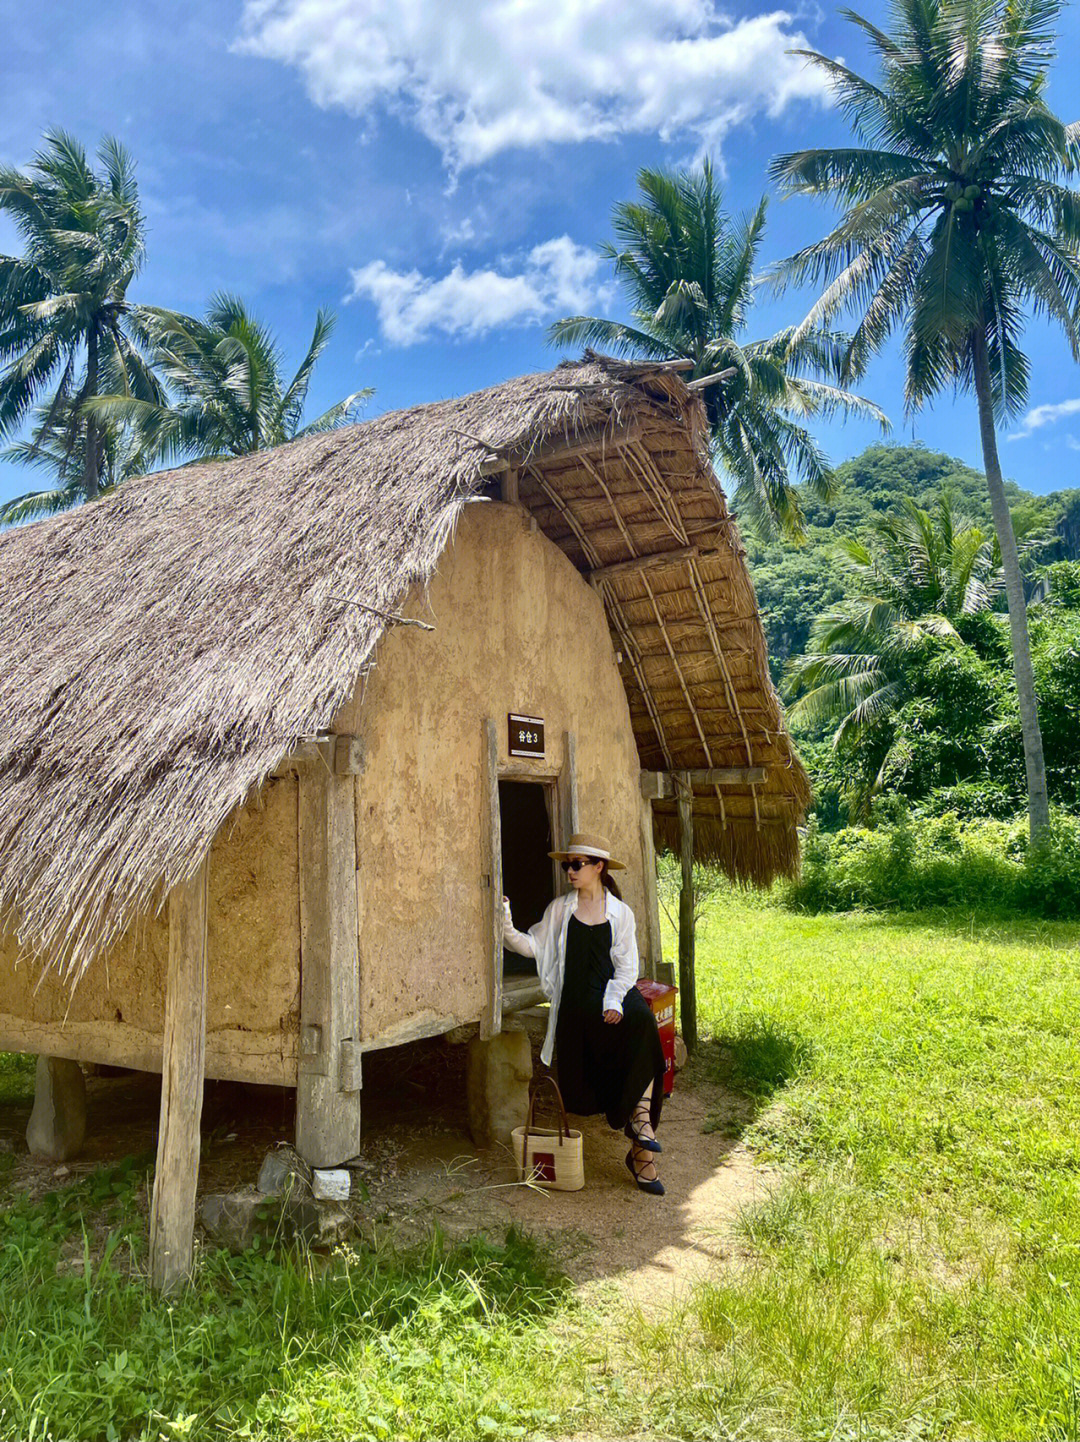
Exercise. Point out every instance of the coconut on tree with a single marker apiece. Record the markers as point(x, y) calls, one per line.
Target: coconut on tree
point(66, 326)
point(957, 224)
point(688, 272)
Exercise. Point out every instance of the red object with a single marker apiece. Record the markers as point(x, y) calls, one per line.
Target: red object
point(661, 999)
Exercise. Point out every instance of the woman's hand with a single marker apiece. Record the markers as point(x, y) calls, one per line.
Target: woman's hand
point(611, 1017)
point(508, 920)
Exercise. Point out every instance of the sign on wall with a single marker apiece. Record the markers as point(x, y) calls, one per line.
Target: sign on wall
point(526, 735)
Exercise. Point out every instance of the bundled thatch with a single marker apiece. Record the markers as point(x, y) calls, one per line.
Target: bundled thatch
point(165, 648)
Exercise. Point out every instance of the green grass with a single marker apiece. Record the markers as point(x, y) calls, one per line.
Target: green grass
point(441, 1341)
point(916, 1273)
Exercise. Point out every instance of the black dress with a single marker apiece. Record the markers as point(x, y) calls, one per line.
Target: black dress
point(604, 1067)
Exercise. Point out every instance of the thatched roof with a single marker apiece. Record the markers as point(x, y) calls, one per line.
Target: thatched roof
point(165, 648)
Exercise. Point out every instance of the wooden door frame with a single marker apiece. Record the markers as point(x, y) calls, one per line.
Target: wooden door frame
point(560, 783)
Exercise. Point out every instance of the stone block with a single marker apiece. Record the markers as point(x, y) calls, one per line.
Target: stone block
point(499, 1072)
point(315, 1224)
point(234, 1219)
point(57, 1127)
point(284, 1173)
point(330, 1184)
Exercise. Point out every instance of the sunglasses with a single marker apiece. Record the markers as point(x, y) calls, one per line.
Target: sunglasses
point(578, 862)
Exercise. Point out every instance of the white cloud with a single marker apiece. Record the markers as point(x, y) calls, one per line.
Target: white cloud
point(557, 276)
point(1040, 416)
point(481, 76)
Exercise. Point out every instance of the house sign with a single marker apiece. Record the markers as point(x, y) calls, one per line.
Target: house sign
point(526, 735)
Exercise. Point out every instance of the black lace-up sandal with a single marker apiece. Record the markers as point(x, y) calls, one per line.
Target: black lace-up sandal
point(647, 1144)
point(655, 1188)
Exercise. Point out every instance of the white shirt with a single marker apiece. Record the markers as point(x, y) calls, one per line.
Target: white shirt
point(546, 942)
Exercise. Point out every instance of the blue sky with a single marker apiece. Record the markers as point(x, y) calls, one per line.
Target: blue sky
point(441, 174)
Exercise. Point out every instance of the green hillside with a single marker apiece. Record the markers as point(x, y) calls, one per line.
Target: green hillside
point(794, 584)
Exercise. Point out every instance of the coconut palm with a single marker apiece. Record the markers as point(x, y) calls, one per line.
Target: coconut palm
point(229, 395)
point(957, 224)
point(65, 323)
point(50, 450)
point(914, 578)
point(688, 271)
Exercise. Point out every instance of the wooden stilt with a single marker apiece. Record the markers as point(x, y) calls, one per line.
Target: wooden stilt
point(176, 1175)
point(654, 952)
point(328, 1067)
point(687, 974)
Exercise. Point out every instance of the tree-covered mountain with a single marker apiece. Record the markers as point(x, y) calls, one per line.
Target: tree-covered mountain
point(795, 584)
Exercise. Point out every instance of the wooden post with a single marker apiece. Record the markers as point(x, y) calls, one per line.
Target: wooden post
point(509, 485)
point(568, 783)
point(655, 951)
point(328, 1079)
point(687, 974)
point(176, 1175)
point(491, 1021)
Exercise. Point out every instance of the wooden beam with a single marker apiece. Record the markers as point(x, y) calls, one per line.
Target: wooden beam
point(605, 438)
point(654, 953)
point(328, 1082)
point(491, 1021)
point(509, 485)
point(704, 382)
point(231, 1054)
point(657, 561)
point(176, 1174)
point(687, 967)
point(521, 997)
point(341, 754)
point(659, 785)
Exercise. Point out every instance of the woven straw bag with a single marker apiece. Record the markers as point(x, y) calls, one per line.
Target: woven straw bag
point(549, 1157)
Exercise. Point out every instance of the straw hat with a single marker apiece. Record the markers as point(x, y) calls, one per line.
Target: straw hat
point(582, 844)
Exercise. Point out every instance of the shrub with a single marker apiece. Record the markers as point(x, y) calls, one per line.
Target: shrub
point(907, 862)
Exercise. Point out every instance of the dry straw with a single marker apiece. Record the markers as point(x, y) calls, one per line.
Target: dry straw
point(166, 647)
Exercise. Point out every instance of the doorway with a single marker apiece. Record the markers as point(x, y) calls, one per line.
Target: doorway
point(528, 872)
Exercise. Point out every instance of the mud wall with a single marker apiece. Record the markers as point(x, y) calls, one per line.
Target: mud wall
point(115, 1014)
point(518, 629)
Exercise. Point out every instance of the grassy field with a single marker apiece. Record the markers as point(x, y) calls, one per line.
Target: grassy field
point(917, 1275)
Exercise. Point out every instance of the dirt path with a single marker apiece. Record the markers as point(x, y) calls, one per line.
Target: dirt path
point(419, 1167)
point(653, 1249)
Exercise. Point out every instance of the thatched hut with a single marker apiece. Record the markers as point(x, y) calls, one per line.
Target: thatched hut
point(259, 786)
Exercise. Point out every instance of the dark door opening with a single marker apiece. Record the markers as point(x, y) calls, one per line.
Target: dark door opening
point(528, 877)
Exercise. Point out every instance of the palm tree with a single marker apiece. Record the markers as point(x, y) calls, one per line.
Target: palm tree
point(957, 223)
point(688, 270)
point(922, 571)
point(48, 450)
point(229, 394)
point(65, 322)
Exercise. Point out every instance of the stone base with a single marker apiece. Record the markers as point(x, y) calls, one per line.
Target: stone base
point(233, 1220)
point(499, 1073)
point(57, 1127)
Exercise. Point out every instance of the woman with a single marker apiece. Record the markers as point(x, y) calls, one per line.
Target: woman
point(610, 1057)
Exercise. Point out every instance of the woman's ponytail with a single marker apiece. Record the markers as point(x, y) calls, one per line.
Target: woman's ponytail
point(606, 879)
